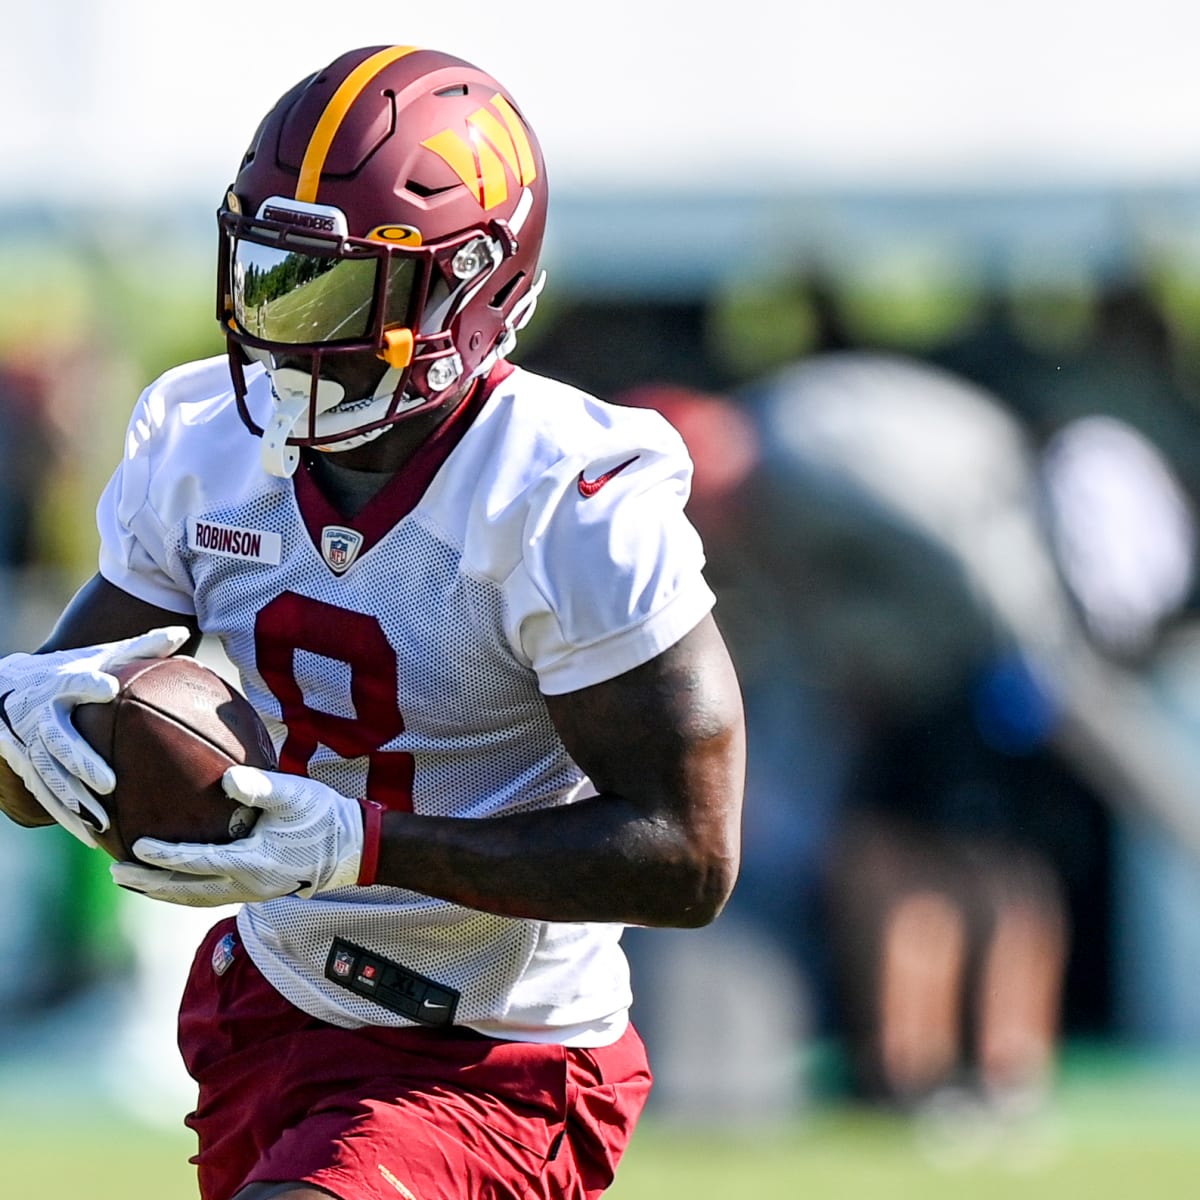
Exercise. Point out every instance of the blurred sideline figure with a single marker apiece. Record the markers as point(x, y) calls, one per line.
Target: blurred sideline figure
point(929, 578)
point(944, 620)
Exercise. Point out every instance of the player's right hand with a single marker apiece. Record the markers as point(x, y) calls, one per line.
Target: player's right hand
point(38, 740)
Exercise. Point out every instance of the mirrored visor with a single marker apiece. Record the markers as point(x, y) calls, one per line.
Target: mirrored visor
point(282, 294)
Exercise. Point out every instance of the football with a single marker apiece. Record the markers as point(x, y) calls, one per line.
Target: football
point(17, 802)
point(173, 729)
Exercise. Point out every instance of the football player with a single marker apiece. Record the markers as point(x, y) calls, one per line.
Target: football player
point(468, 603)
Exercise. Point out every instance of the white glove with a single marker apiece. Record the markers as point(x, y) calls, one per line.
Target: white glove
point(37, 737)
point(308, 839)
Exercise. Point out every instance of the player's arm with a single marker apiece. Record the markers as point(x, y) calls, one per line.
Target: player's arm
point(48, 772)
point(102, 612)
point(664, 745)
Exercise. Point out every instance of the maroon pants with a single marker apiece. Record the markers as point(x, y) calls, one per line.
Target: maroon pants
point(380, 1113)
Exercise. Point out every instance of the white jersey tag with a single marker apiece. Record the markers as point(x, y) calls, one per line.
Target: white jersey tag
point(229, 541)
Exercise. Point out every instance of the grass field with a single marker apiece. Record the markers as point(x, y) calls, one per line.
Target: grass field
point(1115, 1132)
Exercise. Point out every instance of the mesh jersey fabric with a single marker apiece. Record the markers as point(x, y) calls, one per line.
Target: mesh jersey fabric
point(402, 654)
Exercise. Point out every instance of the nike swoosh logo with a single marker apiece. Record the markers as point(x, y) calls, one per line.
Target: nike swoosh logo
point(589, 487)
point(4, 717)
point(433, 1004)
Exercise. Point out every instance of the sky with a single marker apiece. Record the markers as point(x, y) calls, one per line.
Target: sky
point(118, 100)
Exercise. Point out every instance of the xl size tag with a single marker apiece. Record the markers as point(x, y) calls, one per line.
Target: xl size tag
point(390, 985)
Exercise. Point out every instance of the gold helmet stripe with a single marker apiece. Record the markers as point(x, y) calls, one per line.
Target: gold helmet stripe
point(335, 113)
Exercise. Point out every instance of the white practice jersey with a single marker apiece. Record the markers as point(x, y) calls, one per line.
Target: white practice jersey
point(536, 544)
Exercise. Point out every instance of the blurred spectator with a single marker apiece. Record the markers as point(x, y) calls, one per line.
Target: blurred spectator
point(914, 592)
point(1118, 411)
point(974, 839)
point(904, 527)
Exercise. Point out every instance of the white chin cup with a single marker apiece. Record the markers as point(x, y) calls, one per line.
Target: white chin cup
point(278, 458)
point(292, 389)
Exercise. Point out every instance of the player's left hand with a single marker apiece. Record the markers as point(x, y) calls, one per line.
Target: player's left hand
point(308, 839)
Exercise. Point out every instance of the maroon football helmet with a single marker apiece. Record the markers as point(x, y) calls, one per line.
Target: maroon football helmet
point(390, 210)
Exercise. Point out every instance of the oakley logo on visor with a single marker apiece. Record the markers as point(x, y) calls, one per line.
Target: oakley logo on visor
point(396, 235)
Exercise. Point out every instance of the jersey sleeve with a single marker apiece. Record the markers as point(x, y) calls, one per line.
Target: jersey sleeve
point(611, 574)
point(133, 539)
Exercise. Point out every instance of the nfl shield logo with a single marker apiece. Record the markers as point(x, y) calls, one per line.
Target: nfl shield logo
point(340, 546)
point(224, 953)
point(342, 963)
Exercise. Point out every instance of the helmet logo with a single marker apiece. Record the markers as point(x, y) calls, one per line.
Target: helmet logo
point(495, 139)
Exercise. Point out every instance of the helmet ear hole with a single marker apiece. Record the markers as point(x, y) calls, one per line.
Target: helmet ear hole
point(501, 298)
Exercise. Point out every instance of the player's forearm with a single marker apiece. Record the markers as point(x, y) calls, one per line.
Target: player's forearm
point(596, 860)
point(102, 612)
